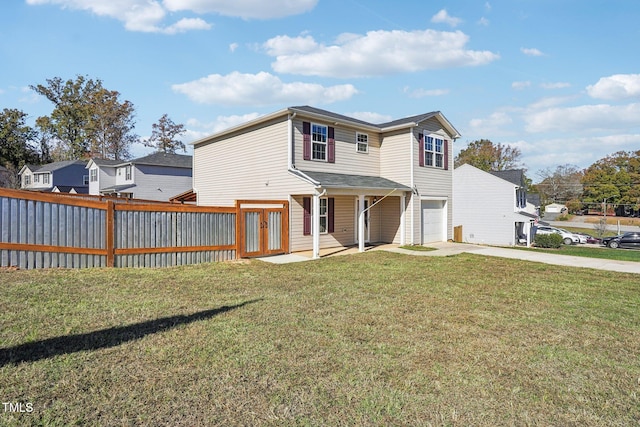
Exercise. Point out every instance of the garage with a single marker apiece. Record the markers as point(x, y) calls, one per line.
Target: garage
point(433, 221)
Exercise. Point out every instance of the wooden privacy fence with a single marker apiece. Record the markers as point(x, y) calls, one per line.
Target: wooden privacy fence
point(40, 230)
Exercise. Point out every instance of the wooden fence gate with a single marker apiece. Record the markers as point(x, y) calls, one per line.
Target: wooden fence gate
point(263, 227)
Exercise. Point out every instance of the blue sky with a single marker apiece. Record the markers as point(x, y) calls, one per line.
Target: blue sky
point(558, 79)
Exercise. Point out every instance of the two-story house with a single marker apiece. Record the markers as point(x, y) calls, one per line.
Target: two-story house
point(492, 207)
point(67, 176)
point(158, 176)
point(342, 180)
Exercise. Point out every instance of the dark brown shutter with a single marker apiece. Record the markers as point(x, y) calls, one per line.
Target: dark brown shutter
point(306, 140)
point(331, 146)
point(330, 214)
point(306, 205)
point(446, 155)
point(421, 149)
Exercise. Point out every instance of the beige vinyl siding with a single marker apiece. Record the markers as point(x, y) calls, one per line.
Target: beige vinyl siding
point(395, 163)
point(344, 227)
point(248, 165)
point(347, 159)
point(432, 181)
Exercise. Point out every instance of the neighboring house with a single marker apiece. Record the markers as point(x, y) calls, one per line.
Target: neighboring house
point(68, 174)
point(334, 172)
point(158, 176)
point(491, 207)
point(555, 208)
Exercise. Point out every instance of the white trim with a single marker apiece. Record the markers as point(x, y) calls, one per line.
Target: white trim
point(326, 143)
point(411, 202)
point(366, 144)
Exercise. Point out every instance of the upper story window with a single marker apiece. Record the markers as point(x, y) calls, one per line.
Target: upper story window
point(362, 142)
point(318, 142)
point(45, 178)
point(127, 172)
point(27, 180)
point(93, 175)
point(434, 152)
point(85, 179)
point(36, 178)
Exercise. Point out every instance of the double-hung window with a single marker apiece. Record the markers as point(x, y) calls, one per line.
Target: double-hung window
point(434, 152)
point(45, 178)
point(323, 215)
point(362, 142)
point(36, 177)
point(127, 172)
point(318, 142)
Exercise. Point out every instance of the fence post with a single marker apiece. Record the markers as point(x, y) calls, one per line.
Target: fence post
point(110, 230)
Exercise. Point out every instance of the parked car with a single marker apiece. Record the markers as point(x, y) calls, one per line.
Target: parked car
point(629, 240)
point(568, 238)
point(589, 238)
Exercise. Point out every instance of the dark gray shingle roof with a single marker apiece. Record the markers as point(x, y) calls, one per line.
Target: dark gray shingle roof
point(340, 180)
point(514, 176)
point(164, 159)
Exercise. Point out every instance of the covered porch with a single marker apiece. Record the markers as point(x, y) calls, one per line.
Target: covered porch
point(347, 210)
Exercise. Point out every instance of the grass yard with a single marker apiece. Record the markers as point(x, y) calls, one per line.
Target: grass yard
point(368, 339)
point(600, 252)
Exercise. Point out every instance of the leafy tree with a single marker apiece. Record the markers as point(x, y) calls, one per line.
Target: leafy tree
point(164, 136)
point(615, 178)
point(560, 184)
point(87, 119)
point(487, 156)
point(16, 139)
point(110, 126)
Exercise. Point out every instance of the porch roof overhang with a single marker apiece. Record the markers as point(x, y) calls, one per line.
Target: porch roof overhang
point(523, 216)
point(353, 182)
point(116, 188)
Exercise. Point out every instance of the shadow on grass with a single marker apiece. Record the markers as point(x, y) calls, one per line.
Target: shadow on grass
point(105, 338)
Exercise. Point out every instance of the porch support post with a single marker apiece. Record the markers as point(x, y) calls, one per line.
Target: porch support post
point(403, 231)
point(528, 233)
point(361, 223)
point(315, 225)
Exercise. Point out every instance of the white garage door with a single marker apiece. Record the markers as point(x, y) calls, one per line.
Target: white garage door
point(433, 220)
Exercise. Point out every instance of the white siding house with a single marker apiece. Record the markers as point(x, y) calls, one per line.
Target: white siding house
point(490, 209)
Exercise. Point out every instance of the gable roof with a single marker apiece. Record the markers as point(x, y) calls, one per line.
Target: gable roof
point(52, 167)
point(514, 176)
point(326, 115)
point(162, 159)
point(103, 162)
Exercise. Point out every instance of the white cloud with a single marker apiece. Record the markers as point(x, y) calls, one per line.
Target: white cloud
point(137, 15)
point(374, 54)
point(583, 118)
point(557, 85)
point(285, 45)
point(148, 15)
point(618, 86)
point(422, 93)
point(496, 124)
point(233, 47)
point(443, 17)
point(531, 51)
point(260, 89)
point(370, 117)
point(197, 129)
point(246, 9)
point(483, 21)
point(520, 85)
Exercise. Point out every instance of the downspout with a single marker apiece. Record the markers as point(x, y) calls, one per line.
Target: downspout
point(361, 221)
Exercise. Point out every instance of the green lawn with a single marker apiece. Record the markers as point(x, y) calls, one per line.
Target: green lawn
point(591, 252)
point(368, 339)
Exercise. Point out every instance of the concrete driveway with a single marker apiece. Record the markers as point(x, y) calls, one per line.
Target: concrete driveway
point(449, 248)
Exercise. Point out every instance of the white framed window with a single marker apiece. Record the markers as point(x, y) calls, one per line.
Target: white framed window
point(434, 151)
point(27, 180)
point(319, 135)
point(127, 172)
point(93, 175)
point(85, 179)
point(362, 142)
point(36, 178)
point(45, 178)
point(324, 215)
